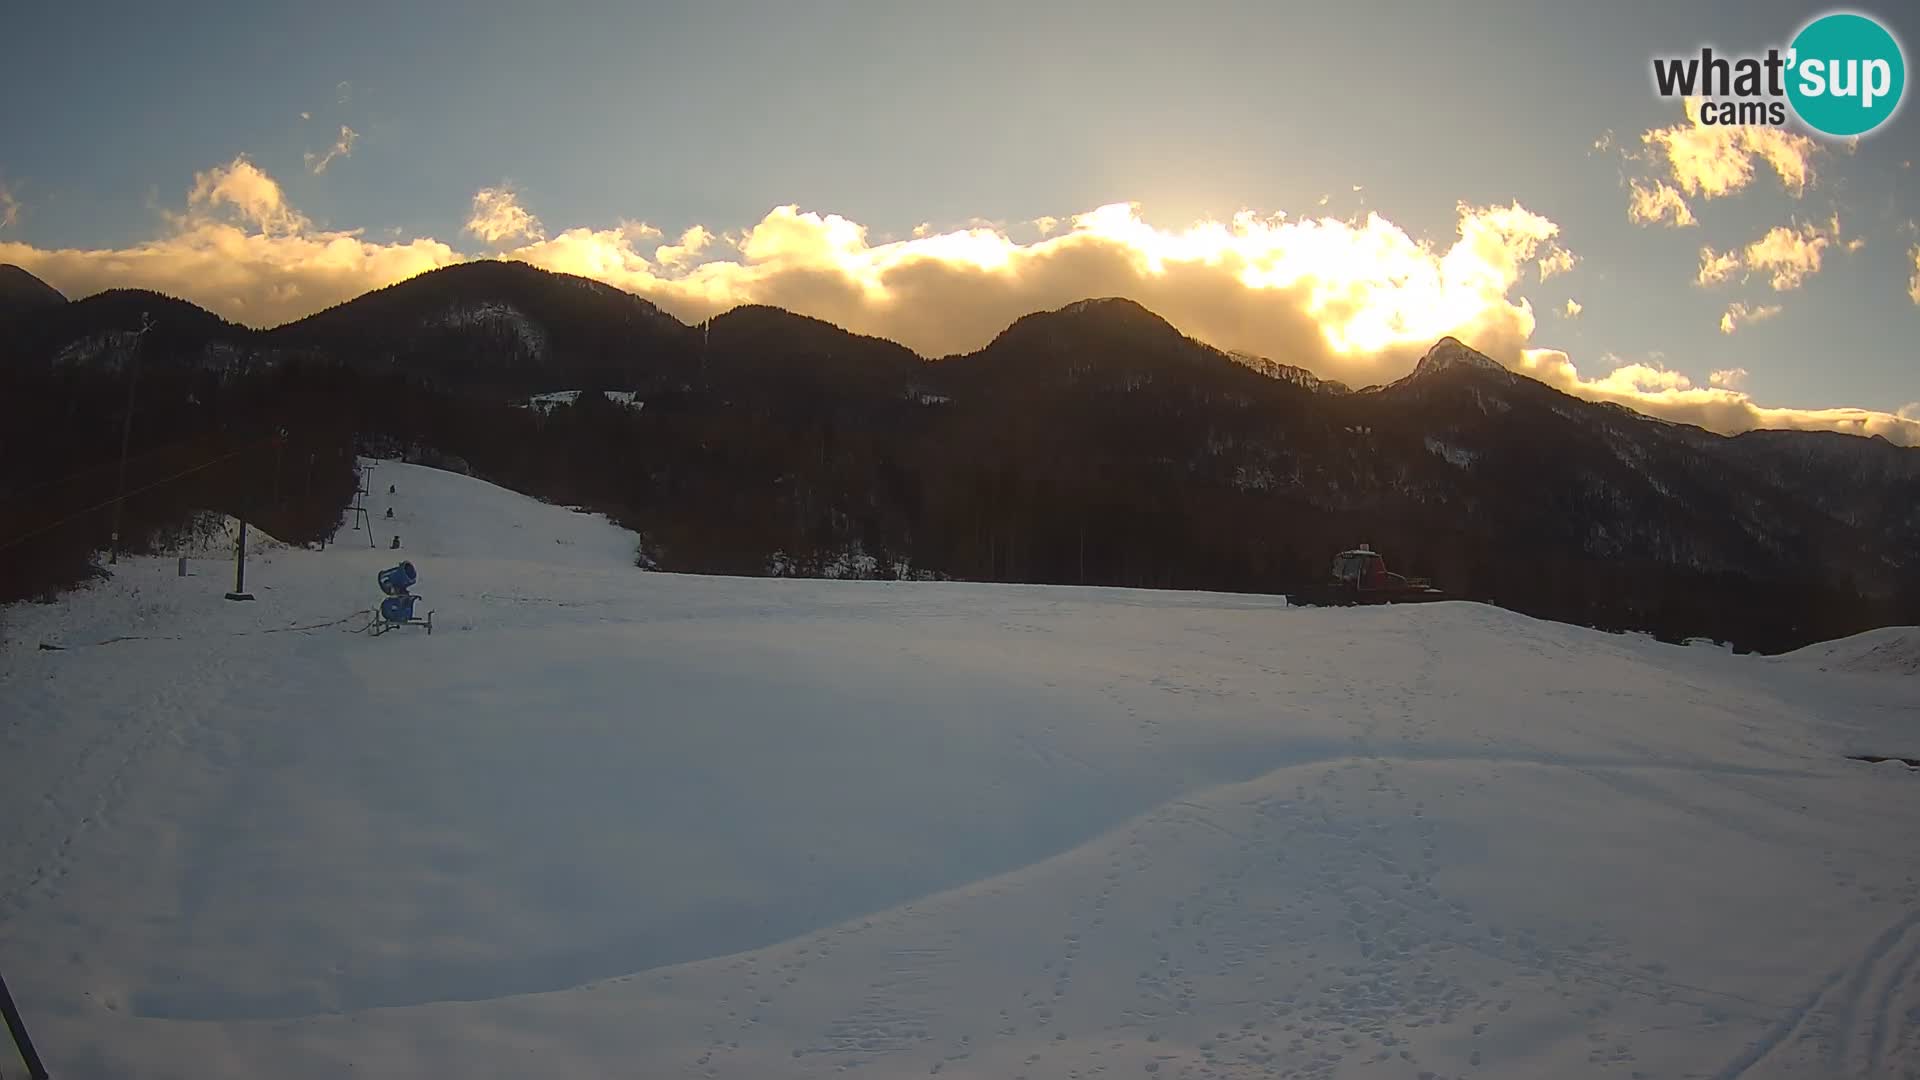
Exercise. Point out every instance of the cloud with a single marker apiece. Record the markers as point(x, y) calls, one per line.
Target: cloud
point(1573, 308)
point(10, 210)
point(1787, 254)
point(692, 244)
point(240, 250)
point(1731, 378)
point(1641, 379)
point(1910, 411)
point(1659, 203)
point(1738, 314)
point(1557, 261)
point(342, 147)
point(1670, 396)
point(1913, 283)
point(249, 192)
point(306, 116)
point(498, 217)
point(1716, 267)
point(1712, 160)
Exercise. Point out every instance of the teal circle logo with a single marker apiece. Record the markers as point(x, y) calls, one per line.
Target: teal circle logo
point(1847, 74)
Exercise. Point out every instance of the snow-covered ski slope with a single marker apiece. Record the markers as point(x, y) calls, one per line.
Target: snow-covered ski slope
point(607, 822)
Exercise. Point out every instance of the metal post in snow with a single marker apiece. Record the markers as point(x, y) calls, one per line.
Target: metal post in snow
point(240, 567)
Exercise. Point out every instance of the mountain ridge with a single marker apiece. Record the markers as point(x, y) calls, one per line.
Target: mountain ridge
point(20, 291)
point(491, 297)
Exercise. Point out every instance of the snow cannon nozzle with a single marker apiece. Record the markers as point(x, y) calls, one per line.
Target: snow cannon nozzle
point(396, 580)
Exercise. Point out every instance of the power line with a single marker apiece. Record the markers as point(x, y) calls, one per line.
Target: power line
point(24, 537)
point(142, 456)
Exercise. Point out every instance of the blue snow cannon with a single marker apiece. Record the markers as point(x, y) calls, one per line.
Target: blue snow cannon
point(398, 609)
point(396, 580)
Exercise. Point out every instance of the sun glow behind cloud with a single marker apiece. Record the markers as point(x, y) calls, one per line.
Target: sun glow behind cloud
point(1374, 295)
point(1354, 299)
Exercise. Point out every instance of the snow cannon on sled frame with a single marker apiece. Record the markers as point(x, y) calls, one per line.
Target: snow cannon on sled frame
point(1360, 576)
point(397, 609)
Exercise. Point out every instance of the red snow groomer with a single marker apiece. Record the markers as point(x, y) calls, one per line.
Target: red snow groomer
point(1360, 576)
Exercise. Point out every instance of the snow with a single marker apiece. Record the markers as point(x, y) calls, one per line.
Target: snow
point(209, 535)
point(545, 403)
point(530, 335)
point(605, 821)
point(1458, 456)
point(1890, 650)
point(1449, 352)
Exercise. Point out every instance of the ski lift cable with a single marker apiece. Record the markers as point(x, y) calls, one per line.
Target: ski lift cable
point(142, 456)
point(103, 504)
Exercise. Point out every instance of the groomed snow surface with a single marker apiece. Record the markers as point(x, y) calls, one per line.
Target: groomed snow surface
point(606, 822)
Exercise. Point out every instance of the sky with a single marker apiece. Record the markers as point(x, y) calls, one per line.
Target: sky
point(1335, 187)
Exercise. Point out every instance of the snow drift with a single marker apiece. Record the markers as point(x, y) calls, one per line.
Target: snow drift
point(1890, 650)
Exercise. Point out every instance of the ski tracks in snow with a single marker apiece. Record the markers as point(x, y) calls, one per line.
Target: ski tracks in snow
point(1851, 1015)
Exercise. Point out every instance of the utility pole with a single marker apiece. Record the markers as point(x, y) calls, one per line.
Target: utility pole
point(279, 446)
point(240, 566)
point(18, 1027)
point(126, 430)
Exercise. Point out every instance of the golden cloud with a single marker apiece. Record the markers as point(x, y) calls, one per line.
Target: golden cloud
point(1738, 314)
point(1573, 308)
point(1659, 203)
point(1557, 261)
point(1721, 408)
point(248, 191)
point(692, 244)
point(1728, 377)
point(1711, 160)
point(342, 147)
point(1716, 267)
point(1787, 254)
point(240, 250)
point(498, 217)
